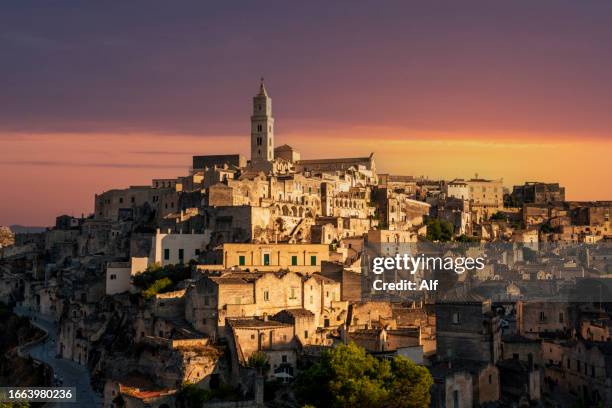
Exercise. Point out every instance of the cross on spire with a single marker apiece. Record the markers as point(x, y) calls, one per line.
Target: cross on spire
point(262, 88)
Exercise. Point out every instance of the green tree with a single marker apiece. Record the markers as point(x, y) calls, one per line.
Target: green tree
point(410, 385)
point(159, 286)
point(191, 396)
point(499, 216)
point(347, 376)
point(260, 361)
point(466, 239)
point(439, 230)
point(160, 279)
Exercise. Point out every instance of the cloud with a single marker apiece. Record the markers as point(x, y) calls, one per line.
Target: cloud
point(161, 153)
point(46, 163)
point(33, 41)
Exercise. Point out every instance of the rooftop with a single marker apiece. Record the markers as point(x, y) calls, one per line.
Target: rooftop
point(255, 323)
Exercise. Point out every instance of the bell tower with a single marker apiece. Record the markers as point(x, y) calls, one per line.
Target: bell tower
point(262, 130)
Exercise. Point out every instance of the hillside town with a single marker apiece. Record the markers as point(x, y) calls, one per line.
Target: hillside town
point(192, 280)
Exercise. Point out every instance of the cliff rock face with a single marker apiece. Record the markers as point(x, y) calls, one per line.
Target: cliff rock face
point(7, 238)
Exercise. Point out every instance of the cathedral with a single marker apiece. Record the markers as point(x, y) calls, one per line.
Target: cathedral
point(267, 158)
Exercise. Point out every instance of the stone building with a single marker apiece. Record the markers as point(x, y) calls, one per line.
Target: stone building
point(273, 257)
point(467, 328)
point(486, 196)
point(172, 249)
point(334, 165)
point(537, 193)
point(535, 317)
point(135, 202)
point(222, 160)
point(215, 298)
point(399, 212)
point(578, 369)
point(276, 339)
point(287, 153)
point(119, 274)
point(403, 184)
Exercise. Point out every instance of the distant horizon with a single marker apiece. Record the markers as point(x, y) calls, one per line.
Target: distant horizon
point(140, 166)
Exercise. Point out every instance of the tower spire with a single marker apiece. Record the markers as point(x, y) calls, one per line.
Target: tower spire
point(262, 87)
point(262, 130)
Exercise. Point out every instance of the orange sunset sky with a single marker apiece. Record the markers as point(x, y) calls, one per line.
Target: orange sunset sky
point(101, 96)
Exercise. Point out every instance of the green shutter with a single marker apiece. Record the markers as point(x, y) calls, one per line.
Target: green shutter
point(241, 260)
point(293, 260)
point(313, 260)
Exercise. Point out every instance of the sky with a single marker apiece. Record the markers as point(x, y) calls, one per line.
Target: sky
point(101, 95)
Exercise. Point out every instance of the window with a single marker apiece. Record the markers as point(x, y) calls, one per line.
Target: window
point(455, 317)
point(241, 260)
point(197, 252)
point(313, 260)
point(181, 255)
point(120, 200)
point(305, 334)
point(294, 260)
point(113, 277)
point(542, 316)
point(455, 399)
point(133, 199)
point(292, 294)
point(311, 299)
point(284, 358)
point(266, 259)
point(167, 254)
point(560, 317)
point(204, 321)
point(266, 295)
point(490, 379)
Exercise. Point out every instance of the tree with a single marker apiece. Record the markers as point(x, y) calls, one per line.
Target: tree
point(159, 279)
point(439, 230)
point(499, 216)
point(191, 396)
point(260, 361)
point(410, 385)
point(158, 286)
point(466, 239)
point(347, 376)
